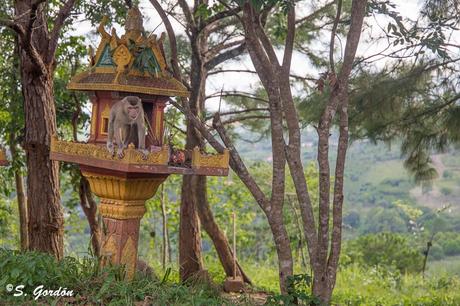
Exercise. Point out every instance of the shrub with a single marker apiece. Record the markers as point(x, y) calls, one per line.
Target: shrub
point(446, 191)
point(91, 285)
point(436, 252)
point(447, 174)
point(385, 249)
point(452, 247)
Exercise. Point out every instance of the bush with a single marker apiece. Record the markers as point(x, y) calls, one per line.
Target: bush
point(447, 174)
point(436, 252)
point(446, 191)
point(91, 285)
point(385, 220)
point(390, 250)
point(358, 286)
point(352, 219)
point(452, 247)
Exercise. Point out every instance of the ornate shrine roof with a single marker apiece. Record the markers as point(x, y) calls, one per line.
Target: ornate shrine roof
point(134, 63)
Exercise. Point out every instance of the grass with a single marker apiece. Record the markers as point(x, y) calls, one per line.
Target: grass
point(93, 286)
point(449, 266)
point(359, 286)
point(390, 169)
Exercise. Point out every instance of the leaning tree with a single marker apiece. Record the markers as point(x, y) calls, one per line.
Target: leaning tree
point(323, 246)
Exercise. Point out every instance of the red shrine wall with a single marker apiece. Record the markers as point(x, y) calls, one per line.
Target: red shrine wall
point(102, 102)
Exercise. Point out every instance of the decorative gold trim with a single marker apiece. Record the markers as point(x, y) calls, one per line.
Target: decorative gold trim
point(74, 85)
point(100, 48)
point(105, 115)
point(124, 59)
point(110, 250)
point(158, 125)
point(129, 257)
point(94, 119)
point(121, 212)
point(153, 44)
point(132, 156)
point(211, 161)
point(103, 70)
point(115, 190)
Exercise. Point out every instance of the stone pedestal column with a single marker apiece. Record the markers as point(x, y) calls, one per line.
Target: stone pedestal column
point(122, 206)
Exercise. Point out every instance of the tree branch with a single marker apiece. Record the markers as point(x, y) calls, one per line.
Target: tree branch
point(222, 57)
point(243, 111)
point(188, 15)
point(239, 167)
point(25, 36)
point(219, 16)
point(62, 15)
point(313, 15)
point(237, 94)
point(243, 118)
point(289, 44)
point(333, 33)
point(222, 46)
point(171, 37)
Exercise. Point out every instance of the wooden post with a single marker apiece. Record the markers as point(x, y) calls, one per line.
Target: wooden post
point(234, 246)
point(234, 283)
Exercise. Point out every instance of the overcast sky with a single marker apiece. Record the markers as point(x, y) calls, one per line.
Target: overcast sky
point(244, 82)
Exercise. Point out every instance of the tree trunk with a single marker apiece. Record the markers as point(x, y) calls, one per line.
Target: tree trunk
point(164, 258)
point(22, 206)
point(37, 49)
point(20, 197)
point(189, 231)
point(89, 206)
point(46, 222)
point(190, 260)
point(217, 236)
point(283, 248)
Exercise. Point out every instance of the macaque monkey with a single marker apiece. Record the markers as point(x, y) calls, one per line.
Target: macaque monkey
point(126, 124)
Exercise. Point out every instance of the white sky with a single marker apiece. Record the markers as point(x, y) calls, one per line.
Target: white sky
point(244, 82)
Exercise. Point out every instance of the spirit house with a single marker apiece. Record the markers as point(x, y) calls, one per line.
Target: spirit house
point(131, 65)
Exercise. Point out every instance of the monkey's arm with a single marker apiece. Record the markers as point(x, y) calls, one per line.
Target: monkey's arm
point(111, 131)
point(141, 137)
point(141, 132)
point(121, 132)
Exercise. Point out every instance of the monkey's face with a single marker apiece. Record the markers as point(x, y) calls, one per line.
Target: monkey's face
point(133, 107)
point(133, 111)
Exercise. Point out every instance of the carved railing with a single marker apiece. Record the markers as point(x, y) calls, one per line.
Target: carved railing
point(200, 160)
point(131, 155)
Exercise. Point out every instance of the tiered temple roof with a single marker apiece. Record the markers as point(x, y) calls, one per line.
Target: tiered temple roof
point(134, 63)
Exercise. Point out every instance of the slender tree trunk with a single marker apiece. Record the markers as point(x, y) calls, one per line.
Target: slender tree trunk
point(89, 206)
point(189, 235)
point(87, 202)
point(20, 197)
point(198, 77)
point(164, 258)
point(217, 236)
point(18, 177)
point(22, 206)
